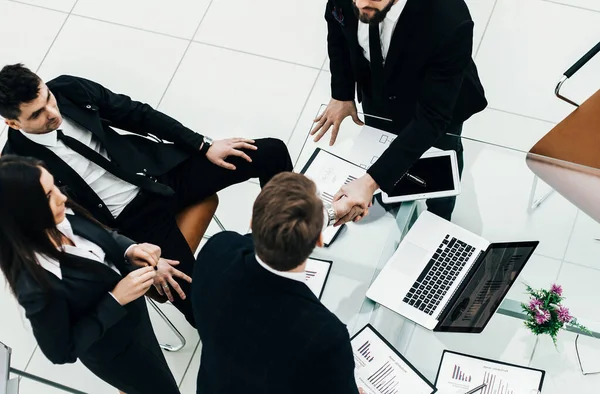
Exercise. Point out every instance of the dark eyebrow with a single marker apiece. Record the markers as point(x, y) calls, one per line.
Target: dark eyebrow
point(36, 113)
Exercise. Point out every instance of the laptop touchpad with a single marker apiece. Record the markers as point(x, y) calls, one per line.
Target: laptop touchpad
point(409, 260)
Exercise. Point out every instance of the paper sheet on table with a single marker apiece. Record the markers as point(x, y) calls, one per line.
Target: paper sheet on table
point(330, 173)
point(317, 272)
point(460, 373)
point(370, 145)
point(380, 369)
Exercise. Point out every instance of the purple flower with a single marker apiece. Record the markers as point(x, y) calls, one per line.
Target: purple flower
point(556, 289)
point(535, 303)
point(542, 317)
point(564, 315)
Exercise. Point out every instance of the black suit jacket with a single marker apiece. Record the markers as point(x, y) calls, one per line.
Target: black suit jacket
point(430, 81)
point(262, 333)
point(96, 108)
point(77, 317)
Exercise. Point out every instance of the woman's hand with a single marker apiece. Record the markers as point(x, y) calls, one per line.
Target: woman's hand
point(134, 285)
point(142, 255)
point(165, 279)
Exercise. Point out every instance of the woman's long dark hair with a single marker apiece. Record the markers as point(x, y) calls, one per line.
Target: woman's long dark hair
point(27, 224)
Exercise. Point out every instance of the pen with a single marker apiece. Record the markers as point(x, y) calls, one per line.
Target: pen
point(476, 389)
point(416, 179)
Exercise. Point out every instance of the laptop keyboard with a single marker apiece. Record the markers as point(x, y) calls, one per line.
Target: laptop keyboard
point(440, 273)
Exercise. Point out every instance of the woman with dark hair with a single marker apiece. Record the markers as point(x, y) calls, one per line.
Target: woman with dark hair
point(80, 284)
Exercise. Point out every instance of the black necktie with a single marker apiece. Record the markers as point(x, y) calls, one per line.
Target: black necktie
point(376, 59)
point(95, 157)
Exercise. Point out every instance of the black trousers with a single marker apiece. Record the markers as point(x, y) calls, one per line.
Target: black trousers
point(141, 368)
point(442, 207)
point(151, 218)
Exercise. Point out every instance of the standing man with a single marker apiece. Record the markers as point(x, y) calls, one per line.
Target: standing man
point(128, 182)
point(263, 330)
point(409, 61)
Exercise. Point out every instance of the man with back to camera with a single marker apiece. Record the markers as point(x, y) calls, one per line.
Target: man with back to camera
point(263, 331)
point(128, 182)
point(409, 61)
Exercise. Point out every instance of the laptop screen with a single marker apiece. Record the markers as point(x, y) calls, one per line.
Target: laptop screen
point(484, 288)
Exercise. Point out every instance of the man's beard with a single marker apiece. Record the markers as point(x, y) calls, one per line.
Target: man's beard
point(378, 16)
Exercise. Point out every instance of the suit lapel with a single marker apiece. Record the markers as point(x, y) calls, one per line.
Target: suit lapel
point(403, 34)
point(98, 235)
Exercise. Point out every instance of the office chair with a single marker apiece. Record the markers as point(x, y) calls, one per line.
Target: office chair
point(577, 137)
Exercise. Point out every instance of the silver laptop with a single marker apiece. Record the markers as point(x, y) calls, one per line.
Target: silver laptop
point(446, 278)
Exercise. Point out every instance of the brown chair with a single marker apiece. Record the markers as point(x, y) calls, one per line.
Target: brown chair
point(193, 223)
point(568, 157)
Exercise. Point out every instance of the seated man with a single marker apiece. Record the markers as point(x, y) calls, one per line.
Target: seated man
point(128, 182)
point(263, 331)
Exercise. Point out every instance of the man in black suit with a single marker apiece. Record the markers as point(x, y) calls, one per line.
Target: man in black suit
point(263, 331)
point(128, 182)
point(410, 62)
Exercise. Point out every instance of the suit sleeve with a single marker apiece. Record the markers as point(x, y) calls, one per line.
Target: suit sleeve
point(61, 337)
point(332, 367)
point(433, 113)
point(340, 65)
point(139, 118)
point(123, 242)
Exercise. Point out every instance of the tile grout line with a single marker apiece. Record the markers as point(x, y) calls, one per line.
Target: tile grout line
point(312, 88)
point(485, 29)
point(258, 55)
point(571, 6)
point(191, 40)
point(187, 368)
point(56, 37)
point(562, 264)
point(39, 6)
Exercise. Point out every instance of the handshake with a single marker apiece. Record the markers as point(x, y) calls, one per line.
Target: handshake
point(346, 210)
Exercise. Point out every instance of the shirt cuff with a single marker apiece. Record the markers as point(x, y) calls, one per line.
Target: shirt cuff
point(127, 250)
point(113, 296)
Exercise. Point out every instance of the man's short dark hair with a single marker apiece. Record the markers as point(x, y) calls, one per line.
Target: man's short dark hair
point(287, 220)
point(18, 85)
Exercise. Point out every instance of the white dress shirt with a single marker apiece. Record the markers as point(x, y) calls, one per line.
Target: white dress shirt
point(297, 276)
point(115, 192)
point(386, 30)
point(83, 248)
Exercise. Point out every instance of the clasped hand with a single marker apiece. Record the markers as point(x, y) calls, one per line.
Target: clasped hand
point(143, 255)
point(353, 200)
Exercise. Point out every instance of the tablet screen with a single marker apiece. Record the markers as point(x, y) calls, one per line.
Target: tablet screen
point(436, 171)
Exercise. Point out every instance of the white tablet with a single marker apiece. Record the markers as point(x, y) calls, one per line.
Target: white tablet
point(434, 175)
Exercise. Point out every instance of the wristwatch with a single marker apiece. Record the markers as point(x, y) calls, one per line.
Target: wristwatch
point(207, 142)
point(332, 216)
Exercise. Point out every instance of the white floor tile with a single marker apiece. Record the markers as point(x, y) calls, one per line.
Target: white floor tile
point(295, 32)
point(128, 61)
point(504, 129)
point(588, 4)
point(504, 339)
point(225, 94)
point(527, 47)
point(235, 207)
point(188, 386)
point(562, 369)
point(496, 186)
point(481, 10)
point(15, 330)
point(584, 248)
point(176, 17)
point(178, 361)
point(27, 45)
point(59, 5)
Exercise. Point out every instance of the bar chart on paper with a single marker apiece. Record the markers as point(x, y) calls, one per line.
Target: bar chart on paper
point(316, 275)
point(499, 378)
point(379, 370)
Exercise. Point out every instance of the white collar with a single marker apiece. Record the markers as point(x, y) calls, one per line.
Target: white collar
point(65, 226)
point(297, 276)
point(394, 12)
point(48, 263)
point(49, 139)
